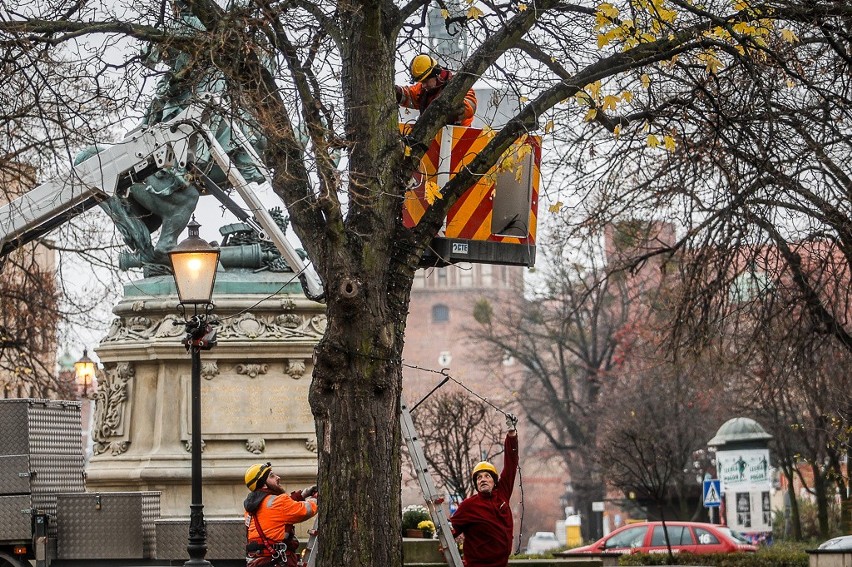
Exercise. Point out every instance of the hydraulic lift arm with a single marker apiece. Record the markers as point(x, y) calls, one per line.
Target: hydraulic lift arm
point(170, 144)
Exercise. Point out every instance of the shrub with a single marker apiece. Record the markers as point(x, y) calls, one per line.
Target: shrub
point(766, 557)
point(412, 515)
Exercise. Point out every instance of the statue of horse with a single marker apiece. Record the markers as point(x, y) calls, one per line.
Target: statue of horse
point(166, 199)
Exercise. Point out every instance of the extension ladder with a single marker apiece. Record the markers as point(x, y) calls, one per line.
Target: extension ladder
point(430, 493)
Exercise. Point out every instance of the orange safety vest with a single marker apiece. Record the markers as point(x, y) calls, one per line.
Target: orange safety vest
point(416, 96)
point(276, 515)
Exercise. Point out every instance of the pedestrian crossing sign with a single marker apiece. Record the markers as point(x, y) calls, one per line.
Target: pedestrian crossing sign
point(712, 493)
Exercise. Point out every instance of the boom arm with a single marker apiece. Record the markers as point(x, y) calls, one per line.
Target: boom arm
point(166, 144)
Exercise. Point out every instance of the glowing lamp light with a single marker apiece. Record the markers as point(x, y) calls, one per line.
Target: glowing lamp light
point(84, 370)
point(194, 264)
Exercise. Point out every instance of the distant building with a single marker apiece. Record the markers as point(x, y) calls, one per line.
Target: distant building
point(28, 310)
point(438, 335)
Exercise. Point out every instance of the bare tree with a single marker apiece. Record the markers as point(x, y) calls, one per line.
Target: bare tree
point(566, 338)
point(457, 432)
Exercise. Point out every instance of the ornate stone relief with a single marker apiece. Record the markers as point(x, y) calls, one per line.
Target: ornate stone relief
point(209, 369)
point(110, 405)
point(256, 445)
point(187, 445)
point(311, 444)
point(295, 369)
point(281, 327)
point(252, 370)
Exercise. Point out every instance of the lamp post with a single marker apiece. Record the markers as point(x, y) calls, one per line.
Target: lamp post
point(85, 373)
point(194, 264)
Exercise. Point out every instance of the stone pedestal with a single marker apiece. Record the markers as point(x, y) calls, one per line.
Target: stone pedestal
point(254, 392)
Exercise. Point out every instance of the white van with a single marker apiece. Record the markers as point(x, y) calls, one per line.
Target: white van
point(541, 542)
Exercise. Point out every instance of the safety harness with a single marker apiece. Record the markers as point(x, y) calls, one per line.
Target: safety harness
point(276, 550)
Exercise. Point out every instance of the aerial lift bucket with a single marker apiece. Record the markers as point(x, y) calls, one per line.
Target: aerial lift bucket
point(495, 220)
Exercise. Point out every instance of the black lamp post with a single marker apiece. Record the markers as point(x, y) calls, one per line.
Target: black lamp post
point(194, 264)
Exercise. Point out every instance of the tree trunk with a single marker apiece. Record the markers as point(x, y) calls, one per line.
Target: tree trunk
point(368, 274)
point(354, 396)
point(820, 488)
point(795, 515)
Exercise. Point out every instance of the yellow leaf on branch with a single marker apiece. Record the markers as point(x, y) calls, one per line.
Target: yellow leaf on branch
point(474, 13)
point(548, 127)
point(789, 36)
point(555, 207)
point(432, 192)
point(522, 7)
point(653, 141)
point(646, 80)
point(593, 89)
point(590, 115)
point(445, 14)
point(669, 143)
point(607, 10)
point(610, 102)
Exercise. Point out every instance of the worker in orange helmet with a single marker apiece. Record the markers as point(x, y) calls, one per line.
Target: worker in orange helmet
point(485, 518)
point(270, 515)
point(428, 80)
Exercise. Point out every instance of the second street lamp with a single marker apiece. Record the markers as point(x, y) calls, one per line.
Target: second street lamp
point(194, 264)
point(84, 370)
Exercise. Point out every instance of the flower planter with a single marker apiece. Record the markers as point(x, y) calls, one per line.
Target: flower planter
point(414, 533)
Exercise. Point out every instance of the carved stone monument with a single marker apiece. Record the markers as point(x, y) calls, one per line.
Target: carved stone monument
point(254, 392)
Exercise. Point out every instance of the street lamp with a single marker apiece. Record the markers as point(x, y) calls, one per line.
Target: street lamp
point(85, 373)
point(84, 370)
point(194, 264)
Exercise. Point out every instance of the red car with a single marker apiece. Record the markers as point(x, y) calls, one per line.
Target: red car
point(648, 537)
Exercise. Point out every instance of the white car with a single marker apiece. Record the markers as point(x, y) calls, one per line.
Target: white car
point(842, 543)
point(541, 542)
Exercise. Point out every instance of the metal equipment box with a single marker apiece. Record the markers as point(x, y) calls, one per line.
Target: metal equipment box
point(226, 538)
point(41, 453)
point(106, 525)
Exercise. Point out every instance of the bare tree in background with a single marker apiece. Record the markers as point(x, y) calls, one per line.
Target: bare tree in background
point(566, 339)
point(457, 432)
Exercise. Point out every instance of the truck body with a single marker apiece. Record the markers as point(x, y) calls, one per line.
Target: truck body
point(47, 516)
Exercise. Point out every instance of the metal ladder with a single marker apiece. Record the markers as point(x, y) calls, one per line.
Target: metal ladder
point(434, 500)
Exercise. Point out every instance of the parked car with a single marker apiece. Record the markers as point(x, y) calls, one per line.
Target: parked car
point(540, 542)
point(648, 537)
point(842, 543)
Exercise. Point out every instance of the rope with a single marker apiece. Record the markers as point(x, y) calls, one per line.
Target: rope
point(445, 373)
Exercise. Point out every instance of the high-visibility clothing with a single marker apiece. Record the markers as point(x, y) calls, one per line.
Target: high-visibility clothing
point(419, 97)
point(276, 514)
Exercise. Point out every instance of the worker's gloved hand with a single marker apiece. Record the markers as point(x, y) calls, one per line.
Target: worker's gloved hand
point(398, 91)
point(309, 491)
point(457, 115)
point(511, 422)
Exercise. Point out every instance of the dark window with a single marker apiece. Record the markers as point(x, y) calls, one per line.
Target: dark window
point(440, 313)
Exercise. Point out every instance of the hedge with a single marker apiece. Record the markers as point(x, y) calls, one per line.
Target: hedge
point(766, 557)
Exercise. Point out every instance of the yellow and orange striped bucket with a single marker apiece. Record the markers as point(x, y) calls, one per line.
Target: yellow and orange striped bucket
point(472, 216)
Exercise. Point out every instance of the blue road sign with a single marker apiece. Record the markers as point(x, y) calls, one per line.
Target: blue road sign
point(712, 494)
